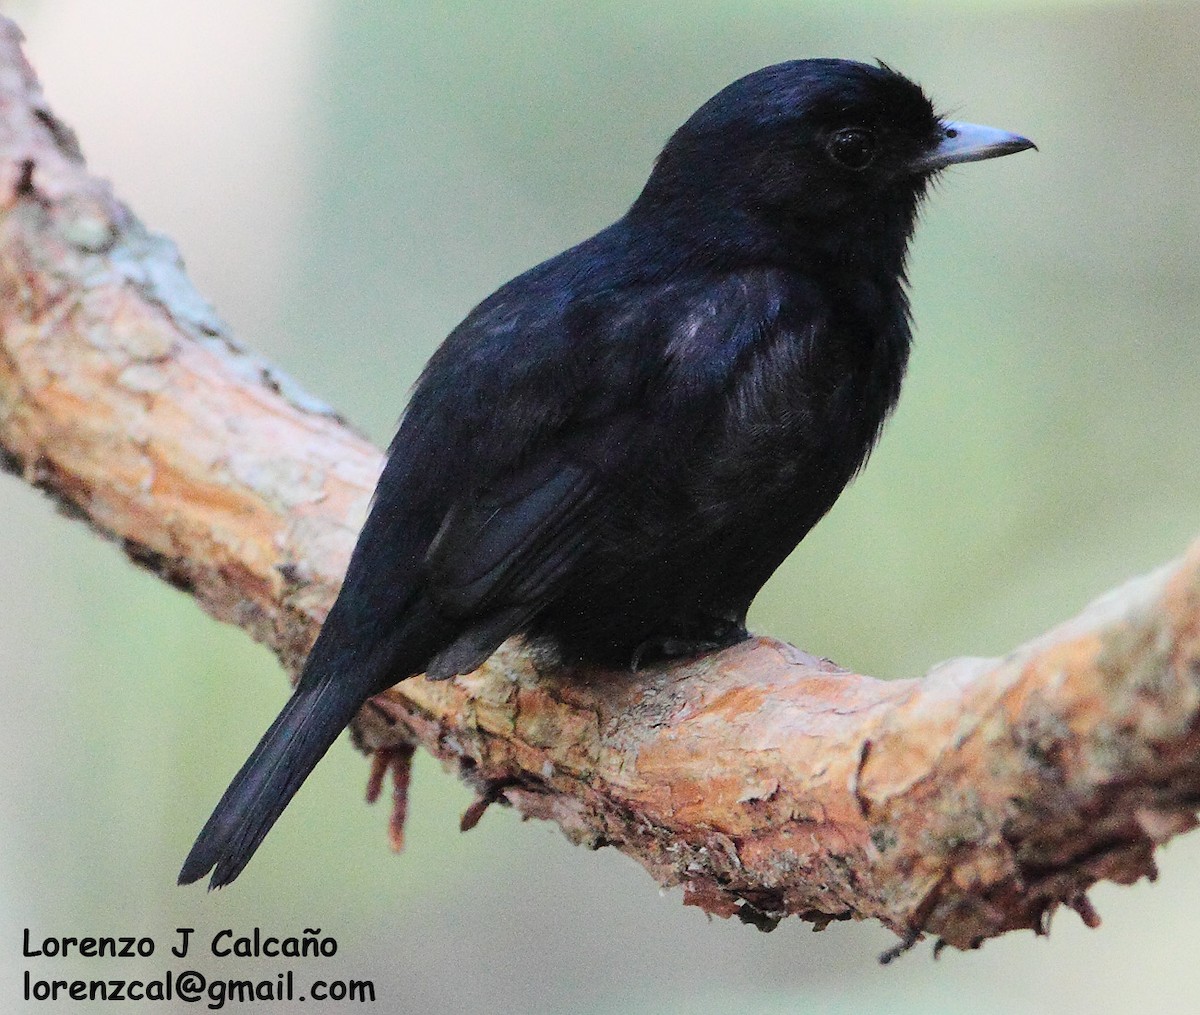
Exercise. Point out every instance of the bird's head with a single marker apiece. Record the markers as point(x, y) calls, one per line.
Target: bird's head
point(817, 155)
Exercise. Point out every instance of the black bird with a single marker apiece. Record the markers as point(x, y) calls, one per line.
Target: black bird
point(615, 450)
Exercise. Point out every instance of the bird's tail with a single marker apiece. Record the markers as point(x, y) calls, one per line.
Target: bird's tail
point(298, 738)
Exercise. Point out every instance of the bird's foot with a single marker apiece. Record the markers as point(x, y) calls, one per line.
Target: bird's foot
point(716, 634)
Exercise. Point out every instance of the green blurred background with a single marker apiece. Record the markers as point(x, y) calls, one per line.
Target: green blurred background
point(346, 180)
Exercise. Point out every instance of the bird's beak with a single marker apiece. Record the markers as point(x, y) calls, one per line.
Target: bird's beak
point(969, 142)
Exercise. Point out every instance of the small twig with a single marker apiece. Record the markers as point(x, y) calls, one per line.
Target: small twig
point(398, 761)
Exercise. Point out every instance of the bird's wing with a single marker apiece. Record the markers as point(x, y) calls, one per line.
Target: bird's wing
point(595, 390)
point(497, 556)
point(505, 546)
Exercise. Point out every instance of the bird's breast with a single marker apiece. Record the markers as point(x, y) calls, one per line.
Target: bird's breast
point(798, 421)
point(811, 399)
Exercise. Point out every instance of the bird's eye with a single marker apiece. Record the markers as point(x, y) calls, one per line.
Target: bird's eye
point(852, 147)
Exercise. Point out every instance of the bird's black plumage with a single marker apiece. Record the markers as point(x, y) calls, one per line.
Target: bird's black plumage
point(615, 450)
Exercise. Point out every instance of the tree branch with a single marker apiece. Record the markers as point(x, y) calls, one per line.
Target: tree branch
point(766, 782)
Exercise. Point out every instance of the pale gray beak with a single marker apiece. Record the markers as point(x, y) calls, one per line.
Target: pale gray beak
point(969, 142)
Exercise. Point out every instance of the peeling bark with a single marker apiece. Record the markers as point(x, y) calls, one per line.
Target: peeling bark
point(766, 782)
